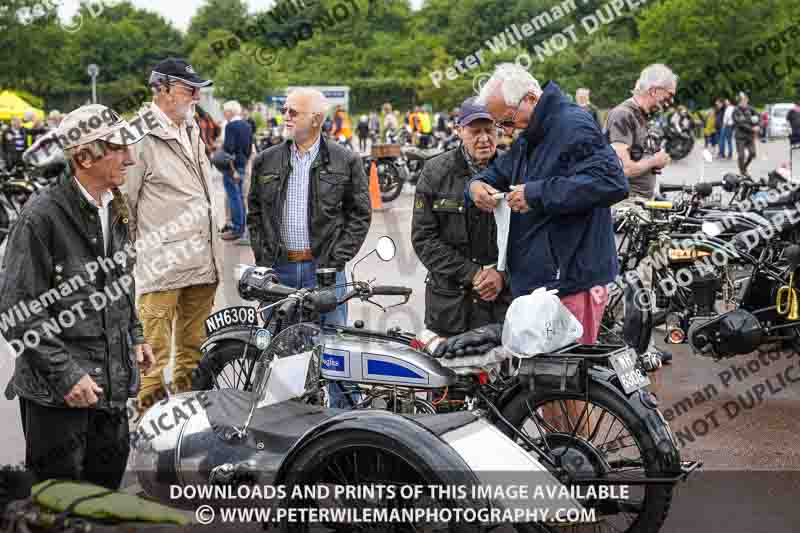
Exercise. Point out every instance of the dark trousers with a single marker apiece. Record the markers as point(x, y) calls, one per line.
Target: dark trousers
point(746, 152)
point(78, 444)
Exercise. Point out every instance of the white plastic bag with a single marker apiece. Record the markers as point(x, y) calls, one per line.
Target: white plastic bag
point(539, 323)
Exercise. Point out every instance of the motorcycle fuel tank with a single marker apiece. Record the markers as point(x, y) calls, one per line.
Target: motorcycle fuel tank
point(364, 360)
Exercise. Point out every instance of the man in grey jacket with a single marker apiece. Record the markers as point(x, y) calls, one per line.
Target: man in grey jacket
point(178, 249)
point(66, 302)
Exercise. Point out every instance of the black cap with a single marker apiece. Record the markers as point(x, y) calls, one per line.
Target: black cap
point(175, 68)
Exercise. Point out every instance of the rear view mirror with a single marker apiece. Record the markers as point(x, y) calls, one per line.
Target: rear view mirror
point(386, 249)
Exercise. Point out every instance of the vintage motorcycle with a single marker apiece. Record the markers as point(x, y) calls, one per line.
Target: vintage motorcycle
point(582, 405)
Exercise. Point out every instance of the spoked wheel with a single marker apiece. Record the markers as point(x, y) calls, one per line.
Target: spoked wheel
point(365, 459)
point(599, 438)
point(611, 325)
point(391, 184)
point(222, 367)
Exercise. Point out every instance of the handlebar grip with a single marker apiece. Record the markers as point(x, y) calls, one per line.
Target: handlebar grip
point(704, 189)
point(390, 290)
point(670, 187)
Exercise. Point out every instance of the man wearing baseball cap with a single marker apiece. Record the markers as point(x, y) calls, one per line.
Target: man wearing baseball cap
point(172, 209)
point(458, 244)
point(67, 278)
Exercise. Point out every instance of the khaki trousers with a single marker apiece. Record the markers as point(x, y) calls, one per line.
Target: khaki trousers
point(188, 308)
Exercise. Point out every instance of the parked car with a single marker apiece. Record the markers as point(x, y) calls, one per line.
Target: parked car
point(778, 125)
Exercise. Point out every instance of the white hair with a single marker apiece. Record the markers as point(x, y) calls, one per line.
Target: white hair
point(233, 106)
point(317, 101)
point(514, 81)
point(655, 76)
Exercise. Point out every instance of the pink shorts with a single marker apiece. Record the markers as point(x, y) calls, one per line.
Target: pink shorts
point(588, 308)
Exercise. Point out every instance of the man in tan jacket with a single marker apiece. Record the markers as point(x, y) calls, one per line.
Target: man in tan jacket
point(178, 263)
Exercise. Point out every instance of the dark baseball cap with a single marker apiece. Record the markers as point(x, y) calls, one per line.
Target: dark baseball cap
point(174, 68)
point(471, 111)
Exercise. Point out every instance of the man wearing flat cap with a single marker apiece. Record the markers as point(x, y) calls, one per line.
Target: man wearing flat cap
point(68, 290)
point(179, 261)
point(458, 244)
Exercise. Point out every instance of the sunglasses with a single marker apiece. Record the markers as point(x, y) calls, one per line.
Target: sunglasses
point(291, 112)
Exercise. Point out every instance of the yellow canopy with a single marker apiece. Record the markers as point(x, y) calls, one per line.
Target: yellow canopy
point(12, 105)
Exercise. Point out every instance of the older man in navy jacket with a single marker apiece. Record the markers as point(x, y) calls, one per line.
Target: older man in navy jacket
point(562, 177)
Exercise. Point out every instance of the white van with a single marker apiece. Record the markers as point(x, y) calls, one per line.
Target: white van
point(778, 125)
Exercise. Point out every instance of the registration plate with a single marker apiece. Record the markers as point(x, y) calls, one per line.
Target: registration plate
point(631, 377)
point(231, 316)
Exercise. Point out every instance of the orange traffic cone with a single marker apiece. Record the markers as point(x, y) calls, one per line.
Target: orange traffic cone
point(374, 187)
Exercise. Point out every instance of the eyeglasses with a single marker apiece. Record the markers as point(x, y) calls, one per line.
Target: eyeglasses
point(292, 112)
point(509, 122)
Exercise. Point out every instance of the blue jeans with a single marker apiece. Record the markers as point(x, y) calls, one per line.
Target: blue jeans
point(235, 199)
point(303, 276)
point(726, 139)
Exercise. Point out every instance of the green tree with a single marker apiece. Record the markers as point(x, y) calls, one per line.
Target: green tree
point(230, 15)
point(240, 77)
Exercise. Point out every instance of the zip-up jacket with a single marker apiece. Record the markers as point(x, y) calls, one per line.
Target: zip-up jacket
point(339, 210)
point(83, 316)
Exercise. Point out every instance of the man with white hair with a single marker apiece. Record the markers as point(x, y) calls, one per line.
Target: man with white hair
point(561, 178)
point(582, 99)
point(238, 143)
point(179, 262)
point(309, 206)
point(626, 129)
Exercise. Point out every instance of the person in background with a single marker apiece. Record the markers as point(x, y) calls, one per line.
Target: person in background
point(764, 126)
point(390, 122)
point(342, 126)
point(746, 125)
point(458, 244)
point(726, 136)
point(374, 126)
point(327, 127)
point(309, 248)
point(238, 143)
point(176, 280)
point(793, 118)
point(582, 99)
point(709, 131)
point(250, 121)
point(627, 130)
point(209, 130)
point(425, 128)
point(38, 129)
point(14, 142)
point(54, 119)
point(363, 133)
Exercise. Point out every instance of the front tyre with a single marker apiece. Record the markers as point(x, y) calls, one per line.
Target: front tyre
point(222, 367)
point(600, 436)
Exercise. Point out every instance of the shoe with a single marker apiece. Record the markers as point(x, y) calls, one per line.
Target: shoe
point(244, 240)
point(230, 235)
point(226, 227)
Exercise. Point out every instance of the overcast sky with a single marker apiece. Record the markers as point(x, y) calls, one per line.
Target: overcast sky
point(176, 11)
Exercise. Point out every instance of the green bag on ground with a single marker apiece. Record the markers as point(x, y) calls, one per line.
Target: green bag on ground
point(98, 503)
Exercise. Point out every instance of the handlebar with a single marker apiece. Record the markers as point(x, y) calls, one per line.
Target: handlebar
point(390, 290)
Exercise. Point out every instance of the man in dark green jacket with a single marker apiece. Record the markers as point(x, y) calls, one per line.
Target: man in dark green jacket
point(67, 309)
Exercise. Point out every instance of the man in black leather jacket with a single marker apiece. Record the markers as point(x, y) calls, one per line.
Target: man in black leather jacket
point(67, 309)
point(458, 245)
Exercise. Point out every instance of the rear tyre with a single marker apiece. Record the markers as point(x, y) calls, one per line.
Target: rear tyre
point(605, 434)
point(391, 183)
